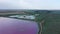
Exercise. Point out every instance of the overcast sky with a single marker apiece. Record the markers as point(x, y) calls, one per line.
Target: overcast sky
point(29, 4)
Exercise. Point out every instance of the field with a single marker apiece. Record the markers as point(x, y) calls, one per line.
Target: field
point(52, 24)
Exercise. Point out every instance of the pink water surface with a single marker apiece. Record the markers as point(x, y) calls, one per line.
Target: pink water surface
point(15, 26)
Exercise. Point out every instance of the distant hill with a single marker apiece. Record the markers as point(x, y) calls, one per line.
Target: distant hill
point(55, 12)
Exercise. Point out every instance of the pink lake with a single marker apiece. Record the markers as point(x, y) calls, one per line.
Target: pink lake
point(16, 26)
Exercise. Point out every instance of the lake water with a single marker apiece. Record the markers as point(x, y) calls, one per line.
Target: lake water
point(15, 26)
point(24, 16)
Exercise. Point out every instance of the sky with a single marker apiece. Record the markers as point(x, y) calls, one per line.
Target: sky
point(30, 4)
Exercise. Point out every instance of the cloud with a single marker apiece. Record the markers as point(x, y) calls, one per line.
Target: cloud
point(9, 4)
point(26, 5)
point(29, 4)
point(14, 4)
